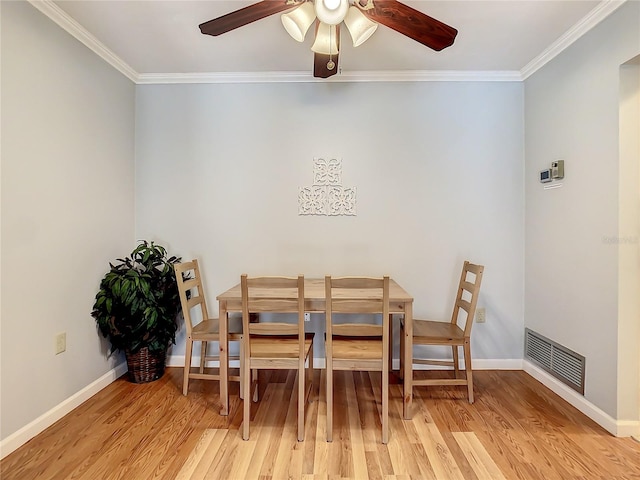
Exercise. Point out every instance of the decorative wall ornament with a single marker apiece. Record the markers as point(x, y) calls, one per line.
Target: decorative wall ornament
point(327, 196)
point(341, 200)
point(312, 200)
point(327, 172)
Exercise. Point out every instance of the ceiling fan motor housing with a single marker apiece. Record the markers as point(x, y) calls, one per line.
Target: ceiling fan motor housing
point(331, 12)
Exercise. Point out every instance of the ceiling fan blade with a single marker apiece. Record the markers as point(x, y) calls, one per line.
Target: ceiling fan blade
point(412, 23)
point(246, 15)
point(321, 61)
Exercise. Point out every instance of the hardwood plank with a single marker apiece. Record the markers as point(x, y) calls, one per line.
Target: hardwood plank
point(187, 471)
point(358, 451)
point(482, 464)
point(289, 457)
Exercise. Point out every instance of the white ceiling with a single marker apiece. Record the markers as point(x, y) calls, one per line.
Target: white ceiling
point(162, 37)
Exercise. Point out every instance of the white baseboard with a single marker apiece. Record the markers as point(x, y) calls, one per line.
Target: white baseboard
point(478, 364)
point(26, 433)
point(618, 428)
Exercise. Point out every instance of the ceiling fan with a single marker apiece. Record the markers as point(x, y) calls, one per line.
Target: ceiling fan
point(361, 18)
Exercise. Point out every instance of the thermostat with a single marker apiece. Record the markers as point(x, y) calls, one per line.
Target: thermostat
point(545, 175)
point(557, 169)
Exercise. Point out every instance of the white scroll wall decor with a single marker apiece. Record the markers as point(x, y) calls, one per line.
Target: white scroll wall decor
point(327, 196)
point(327, 172)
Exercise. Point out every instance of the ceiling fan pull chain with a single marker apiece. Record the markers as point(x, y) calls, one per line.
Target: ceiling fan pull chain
point(330, 64)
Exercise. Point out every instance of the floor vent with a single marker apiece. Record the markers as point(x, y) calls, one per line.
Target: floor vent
point(564, 364)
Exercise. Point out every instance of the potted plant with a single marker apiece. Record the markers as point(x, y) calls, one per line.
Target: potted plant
point(136, 309)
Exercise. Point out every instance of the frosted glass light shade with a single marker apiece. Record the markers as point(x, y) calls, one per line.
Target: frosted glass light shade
point(297, 22)
point(325, 42)
point(331, 12)
point(360, 27)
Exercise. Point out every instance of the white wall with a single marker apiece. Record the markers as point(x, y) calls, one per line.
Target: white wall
point(438, 168)
point(67, 208)
point(571, 252)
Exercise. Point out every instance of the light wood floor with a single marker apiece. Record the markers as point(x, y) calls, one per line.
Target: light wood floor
point(516, 429)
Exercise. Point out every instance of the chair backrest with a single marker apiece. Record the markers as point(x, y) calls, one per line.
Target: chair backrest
point(357, 295)
point(467, 297)
point(189, 280)
point(274, 295)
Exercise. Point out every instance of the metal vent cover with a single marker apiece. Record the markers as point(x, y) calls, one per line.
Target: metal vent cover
point(564, 364)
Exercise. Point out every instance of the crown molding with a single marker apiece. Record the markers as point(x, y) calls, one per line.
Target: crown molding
point(306, 77)
point(432, 76)
point(594, 17)
point(68, 24)
point(224, 77)
point(60, 17)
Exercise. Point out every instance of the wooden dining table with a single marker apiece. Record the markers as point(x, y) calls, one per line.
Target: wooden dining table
point(400, 304)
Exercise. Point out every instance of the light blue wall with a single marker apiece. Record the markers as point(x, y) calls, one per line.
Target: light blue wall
point(438, 169)
point(571, 268)
point(67, 208)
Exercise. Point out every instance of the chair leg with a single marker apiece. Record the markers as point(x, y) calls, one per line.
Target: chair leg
point(390, 342)
point(401, 374)
point(301, 394)
point(310, 372)
point(456, 360)
point(255, 383)
point(187, 365)
point(329, 391)
point(385, 405)
point(241, 369)
point(203, 355)
point(246, 407)
point(469, 371)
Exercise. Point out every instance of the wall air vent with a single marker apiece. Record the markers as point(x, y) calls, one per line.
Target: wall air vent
point(564, 364)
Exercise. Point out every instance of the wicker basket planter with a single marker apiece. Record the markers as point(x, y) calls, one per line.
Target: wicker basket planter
point(145, 366)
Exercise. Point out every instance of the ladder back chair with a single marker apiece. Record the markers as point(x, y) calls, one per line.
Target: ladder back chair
point(456, 333)
point(275, 345)
point(200, 326)
point(357, 346)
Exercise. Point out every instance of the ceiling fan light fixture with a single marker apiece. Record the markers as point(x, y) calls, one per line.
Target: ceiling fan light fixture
point(331, 12)
point(297, 22)
point(325, 42)
point(359, 26)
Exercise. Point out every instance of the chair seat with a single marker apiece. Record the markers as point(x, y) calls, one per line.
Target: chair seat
point(278, 347)
point(433, 332)
point(357, 348)
point(210, 329)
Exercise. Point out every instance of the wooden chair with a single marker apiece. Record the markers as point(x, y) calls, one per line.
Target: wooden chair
point(456, 333)
point(270, 345)
point(206, 329)
point(351, 346)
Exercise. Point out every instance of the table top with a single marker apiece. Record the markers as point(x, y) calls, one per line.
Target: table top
point(314, 294)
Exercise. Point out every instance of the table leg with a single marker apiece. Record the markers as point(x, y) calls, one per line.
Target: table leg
point(224, 358)
point(408, 361)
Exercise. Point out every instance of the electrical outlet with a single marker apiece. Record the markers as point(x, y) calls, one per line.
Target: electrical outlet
point(61, 342)
point(481, 315)
point(307, 317)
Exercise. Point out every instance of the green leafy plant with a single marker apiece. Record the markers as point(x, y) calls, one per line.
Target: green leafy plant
point(138, 301)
